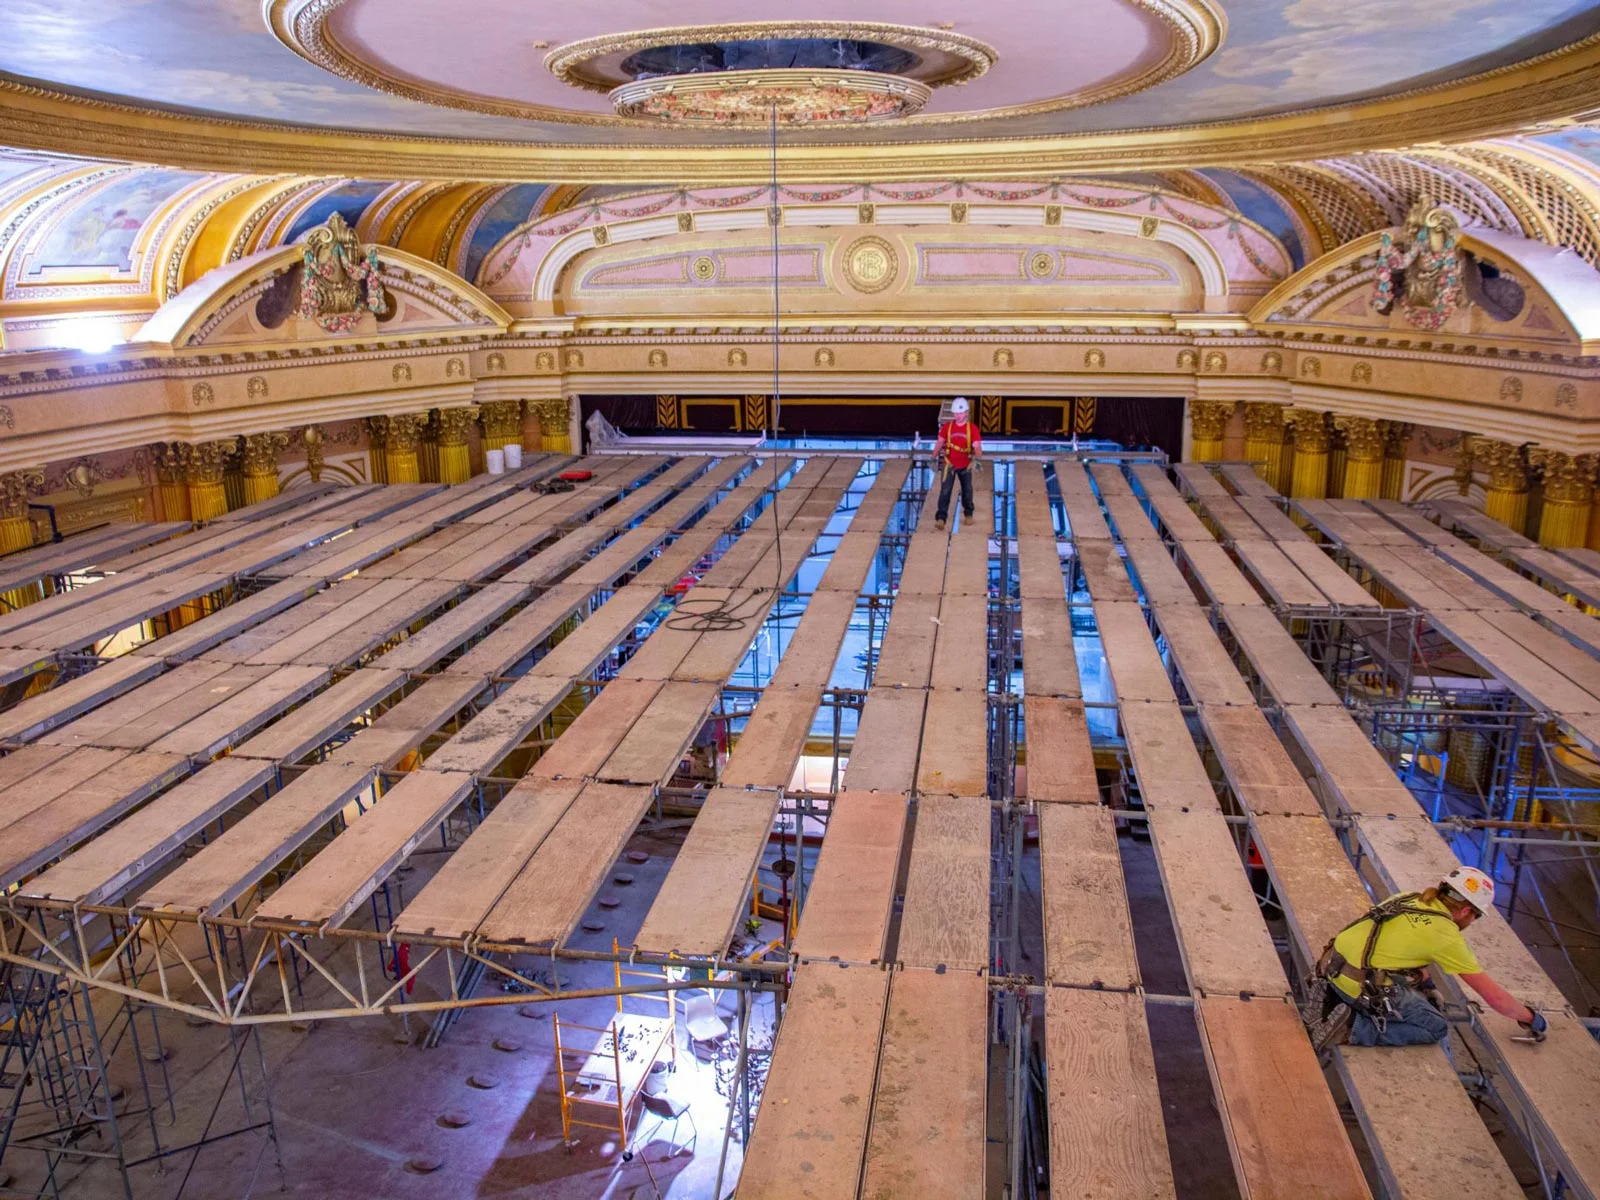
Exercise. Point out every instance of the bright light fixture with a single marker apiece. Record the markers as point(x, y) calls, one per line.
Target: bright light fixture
point(93, 335)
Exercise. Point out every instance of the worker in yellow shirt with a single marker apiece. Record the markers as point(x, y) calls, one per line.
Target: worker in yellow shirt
point(1379, 966)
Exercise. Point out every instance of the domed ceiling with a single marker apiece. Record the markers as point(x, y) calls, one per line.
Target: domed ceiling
point(510, 74)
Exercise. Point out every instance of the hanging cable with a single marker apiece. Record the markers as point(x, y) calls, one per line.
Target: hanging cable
point(718, 615)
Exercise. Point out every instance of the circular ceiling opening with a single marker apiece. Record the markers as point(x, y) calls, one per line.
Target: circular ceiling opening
point(763, 54)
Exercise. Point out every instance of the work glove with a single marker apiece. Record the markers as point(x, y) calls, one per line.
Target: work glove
point(1538, 1027)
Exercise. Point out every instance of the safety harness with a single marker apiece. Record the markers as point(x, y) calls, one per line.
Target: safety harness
point(1375, 1000)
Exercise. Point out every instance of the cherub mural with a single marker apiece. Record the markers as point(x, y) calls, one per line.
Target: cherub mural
point(101, 228)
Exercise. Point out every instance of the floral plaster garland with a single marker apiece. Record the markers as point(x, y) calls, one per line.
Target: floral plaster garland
point(1427, 253)
point(338, 283)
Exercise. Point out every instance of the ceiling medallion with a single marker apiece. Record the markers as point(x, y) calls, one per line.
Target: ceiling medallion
point(870, 264)
point(795, 98)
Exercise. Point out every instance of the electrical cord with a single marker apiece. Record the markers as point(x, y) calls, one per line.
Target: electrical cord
point(718, 615)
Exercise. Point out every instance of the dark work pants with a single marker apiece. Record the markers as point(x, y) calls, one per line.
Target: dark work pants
point(950, 476)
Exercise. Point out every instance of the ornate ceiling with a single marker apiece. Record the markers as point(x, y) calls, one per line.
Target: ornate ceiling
point(501, 90)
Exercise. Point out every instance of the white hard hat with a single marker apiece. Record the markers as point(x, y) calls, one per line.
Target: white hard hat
point(959, 406)
point(1473, 886)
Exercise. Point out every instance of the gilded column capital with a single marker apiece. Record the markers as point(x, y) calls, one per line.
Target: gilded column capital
point(1363, 439)
point(1567, 478)
point(1396, 437)
point(377, 431)
point(170, 460)
point(1507, 465)
point(405, 432)
point(1263, 421)
point(313, 438)
point(16, 487)
point(553, 411)
point(261, 452)
point(206, 461)
point(1209, 418)
point(453, 423)
point(1312, 434)
point(502, 419)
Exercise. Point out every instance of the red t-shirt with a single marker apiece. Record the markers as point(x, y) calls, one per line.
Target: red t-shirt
point(961, 441)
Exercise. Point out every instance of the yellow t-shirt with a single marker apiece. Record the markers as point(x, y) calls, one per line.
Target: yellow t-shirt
point(1406, 942)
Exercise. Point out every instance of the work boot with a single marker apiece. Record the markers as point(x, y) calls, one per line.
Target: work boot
point(938, 523)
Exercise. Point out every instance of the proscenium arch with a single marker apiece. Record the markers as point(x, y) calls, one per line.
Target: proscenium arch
point(1209, 265)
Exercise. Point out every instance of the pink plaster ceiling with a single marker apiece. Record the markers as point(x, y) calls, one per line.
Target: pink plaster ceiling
point(496, 48)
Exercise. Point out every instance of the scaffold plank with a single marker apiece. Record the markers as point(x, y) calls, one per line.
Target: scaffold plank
point(583, 748)
point(104, 867)
point(810, 1134)
point(513, 641)
point(244, 646)
point(82, 551)
point(1060, 760)
point(74, 816)
point(1205, 667)
point(18, 663)
point(953, 760)
point(29, 786)
point(1331, 580)
point(924, 568)
point(350, 868)
point(1291, 678)
point(405, 726)
point(703, 897)
point(1088, 933)
point(1536, 681)
point(927, 1130)
point(1137, 672)
point(851, 898)
point(905, 658)
point(544, 903)
point(225, 869)
point(1164, 755)
point(1217, 575)
point(480, 609)
point(1049, 663)
point(1274, 522)
point(44, 711)
point(944, 920)
point(1284, 1130)
point(240, 714)
point(466, 886)
point(228, 621)
point(1107, 1136)
point(502, 725)
point(773, 738)
point(1198, 479)
point(808, 660)
point(145, 715)
point(298, 733)
point(1174, 512)
point(99, 618)
point(888, 737)
point(649, 752)
point(367, 621)
point(1282, 581)
point(961, 649)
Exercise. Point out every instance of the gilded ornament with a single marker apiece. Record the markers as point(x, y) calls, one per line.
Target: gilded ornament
point(501, 419)
point(1209, 418)
point(1094, 359)
point(1511, 390)
point(311, 437)
point(206, 461)
point(1041, 264)
point(1084, 409)
point(865, 214)
point(658, 357)
point(453, 423)
point(7, 417)
point(803, 97)
point(755, 412)
point(544, 361)
point(1188, 360)
point(1361, 373)
point(401, 373)
point(704, 268)
point(602, 235)
point(574, 360)
point(202, 395)
point(686, 222)
point(82, 475)
point(1312, 433)
point(1148, 227)
point(1568, 478)
point(738, 358)
point(1004, 358)
point(667, 412)
point(339, 280)
point(260, 452)
point(870, 264)
point(553, 413)
point(1362, 436)
point(1263, 422)
point(958, 212)
point(455, 368)
point(991, 412)
point(16, 487)
point(256, 387)
point(1426, 253)
point(495, 362)
point(1052, 214)
point(1216, 360)
point(822, 358)
point(1271, 362)
point(1310, 368)
point(1567, 396)
point(1507, 465)
point(912, 357)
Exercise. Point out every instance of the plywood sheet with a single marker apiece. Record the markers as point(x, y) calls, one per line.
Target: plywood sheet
point(848, 906)
point(1107, 1136)
point(773, 738)
point(516, 638)
point(351, 867)
point(466, 887)
point(480, 745)
point(544, 902)
point(1225, 944)
point(1318, 886)
point(944, 920)
point(1088, 934)
point(1256, 763)
point(1103, 572)
point(1277, 658)
point(1560, 1081)
point(906, 657)
point(1084, 519)
point(1137, 672)
point(927, 1133)
point(703, 896)
point(1206, 668)
point(36, 775)
point(810, 1135)
point(1279, 577)
point(51, 829)
point(228, 867)
point(404, 727)
point(314, 722)
point(955, 745)
point(961, 649)
point(883, 756)
point(43, 712)
point(20, 662)
point(1348, 764)
point(650, 751)
point(1284, 1129)
point(1165, 760)
point(1049, 664)
point(924, 568)
point(1060, 760)
point(594, 735)
point(1195, 477)
point(1274, 522)
point(243, 712)
point(808, 659)
point(1331, 580)
point(450, 629)
point(244, 646)
point(1158, 575)
point(99, 871)
point(577, 654)
point(1217, 575)
point(21, 765)
point(379, 625)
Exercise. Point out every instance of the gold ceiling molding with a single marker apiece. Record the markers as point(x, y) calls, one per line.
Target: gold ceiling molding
point(1554, 86)
point(1194, 28)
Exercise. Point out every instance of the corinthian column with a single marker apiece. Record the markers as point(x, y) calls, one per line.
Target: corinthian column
point(502, 423)
point(1208, 423)
point(16, 530)
point(202, 475)
point(554, 432)
point(1507, 496)
point(169, 458)
point(1263, 441)
point(1396, 441)
point(455, 463)
point(1568, 494)
point(402, 438)
point(1312, 441)
point(1363, 464)
point(260, 469)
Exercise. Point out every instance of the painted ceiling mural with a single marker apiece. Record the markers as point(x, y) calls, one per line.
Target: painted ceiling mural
point(219, 57)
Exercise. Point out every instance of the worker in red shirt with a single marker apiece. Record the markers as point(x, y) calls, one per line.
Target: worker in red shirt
point(957, 448)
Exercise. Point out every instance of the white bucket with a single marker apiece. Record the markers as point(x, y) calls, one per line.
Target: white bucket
point(513, 456)
point(495, 461)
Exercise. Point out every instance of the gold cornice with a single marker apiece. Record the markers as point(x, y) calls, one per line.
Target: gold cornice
point(1547, 88)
